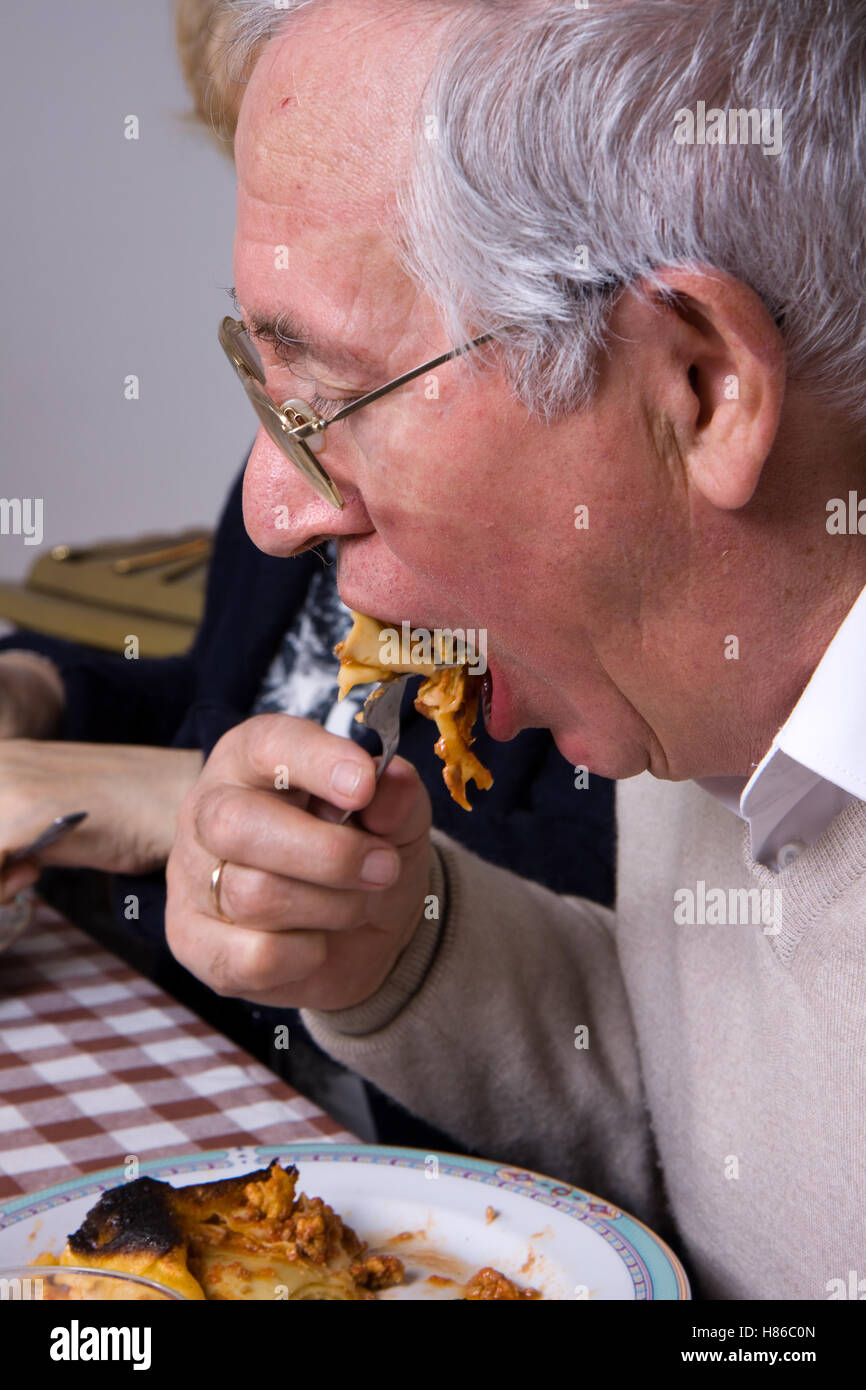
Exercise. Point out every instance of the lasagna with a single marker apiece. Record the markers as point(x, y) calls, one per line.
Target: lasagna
point(252, 1237)
point(448, 695)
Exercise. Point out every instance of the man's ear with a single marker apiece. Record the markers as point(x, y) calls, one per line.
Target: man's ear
point(731, 358)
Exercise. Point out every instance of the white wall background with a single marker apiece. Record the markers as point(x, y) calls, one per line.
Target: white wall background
point(115, 253)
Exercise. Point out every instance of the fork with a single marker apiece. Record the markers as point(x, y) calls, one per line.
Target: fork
point(381, 713)
point(49, 836)
point(15, 916)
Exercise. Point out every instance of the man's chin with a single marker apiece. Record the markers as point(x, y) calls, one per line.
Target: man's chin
point(573, 748)
point(616, 763)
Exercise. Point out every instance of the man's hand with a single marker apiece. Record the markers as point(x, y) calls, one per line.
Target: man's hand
point(131, 795)
point(319, 912)
point(31, 696)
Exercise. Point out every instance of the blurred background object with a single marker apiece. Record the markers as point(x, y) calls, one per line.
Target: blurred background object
point(117, 252)
point(152, 586)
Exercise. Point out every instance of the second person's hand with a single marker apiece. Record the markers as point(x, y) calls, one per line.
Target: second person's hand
point(132, 796)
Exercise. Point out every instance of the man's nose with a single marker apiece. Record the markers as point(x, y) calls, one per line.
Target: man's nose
point(283, 513)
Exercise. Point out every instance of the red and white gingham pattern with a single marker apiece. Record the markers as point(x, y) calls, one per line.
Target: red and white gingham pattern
point(98, 1063)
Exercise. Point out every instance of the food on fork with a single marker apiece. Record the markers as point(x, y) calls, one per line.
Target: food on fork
point(448, 695)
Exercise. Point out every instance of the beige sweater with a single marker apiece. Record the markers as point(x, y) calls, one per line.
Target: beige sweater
point(730, 1054)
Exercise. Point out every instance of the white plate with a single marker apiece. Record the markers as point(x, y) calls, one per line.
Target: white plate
point(546, 1235)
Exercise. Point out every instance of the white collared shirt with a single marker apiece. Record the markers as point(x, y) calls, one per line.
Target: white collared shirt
point(817, 761)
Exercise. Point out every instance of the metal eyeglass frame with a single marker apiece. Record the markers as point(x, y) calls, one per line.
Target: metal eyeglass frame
point(294, 423)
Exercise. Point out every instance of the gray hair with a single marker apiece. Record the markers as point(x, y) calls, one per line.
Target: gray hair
point(547, 175)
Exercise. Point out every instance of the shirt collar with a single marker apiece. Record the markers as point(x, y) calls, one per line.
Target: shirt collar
point(816, 763)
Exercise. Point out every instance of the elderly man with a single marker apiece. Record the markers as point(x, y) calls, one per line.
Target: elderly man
point(638, 487)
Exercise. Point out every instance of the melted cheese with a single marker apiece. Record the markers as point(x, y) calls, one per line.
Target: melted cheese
point(240, 1274)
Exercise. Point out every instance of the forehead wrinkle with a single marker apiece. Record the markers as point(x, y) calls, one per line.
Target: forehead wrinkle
point(372, 95)
point(327, 164)
point(298, 157)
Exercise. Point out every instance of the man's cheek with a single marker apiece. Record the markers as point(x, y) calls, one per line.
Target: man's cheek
point(403, 485)
point(428, 479)
point(429, 532)
point(387, 446)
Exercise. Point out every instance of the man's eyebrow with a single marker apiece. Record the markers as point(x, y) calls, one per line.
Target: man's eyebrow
point(285, 328)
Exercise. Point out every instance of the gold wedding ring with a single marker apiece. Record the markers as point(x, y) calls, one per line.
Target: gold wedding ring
point(215, 884)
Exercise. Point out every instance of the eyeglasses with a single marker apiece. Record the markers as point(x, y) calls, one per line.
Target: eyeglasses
point(294, 426)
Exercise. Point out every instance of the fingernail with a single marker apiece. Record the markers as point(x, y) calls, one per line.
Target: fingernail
point(381, 866)
point(345, 777)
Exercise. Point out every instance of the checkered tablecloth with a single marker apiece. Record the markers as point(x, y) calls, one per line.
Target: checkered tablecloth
point(97, 1063)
